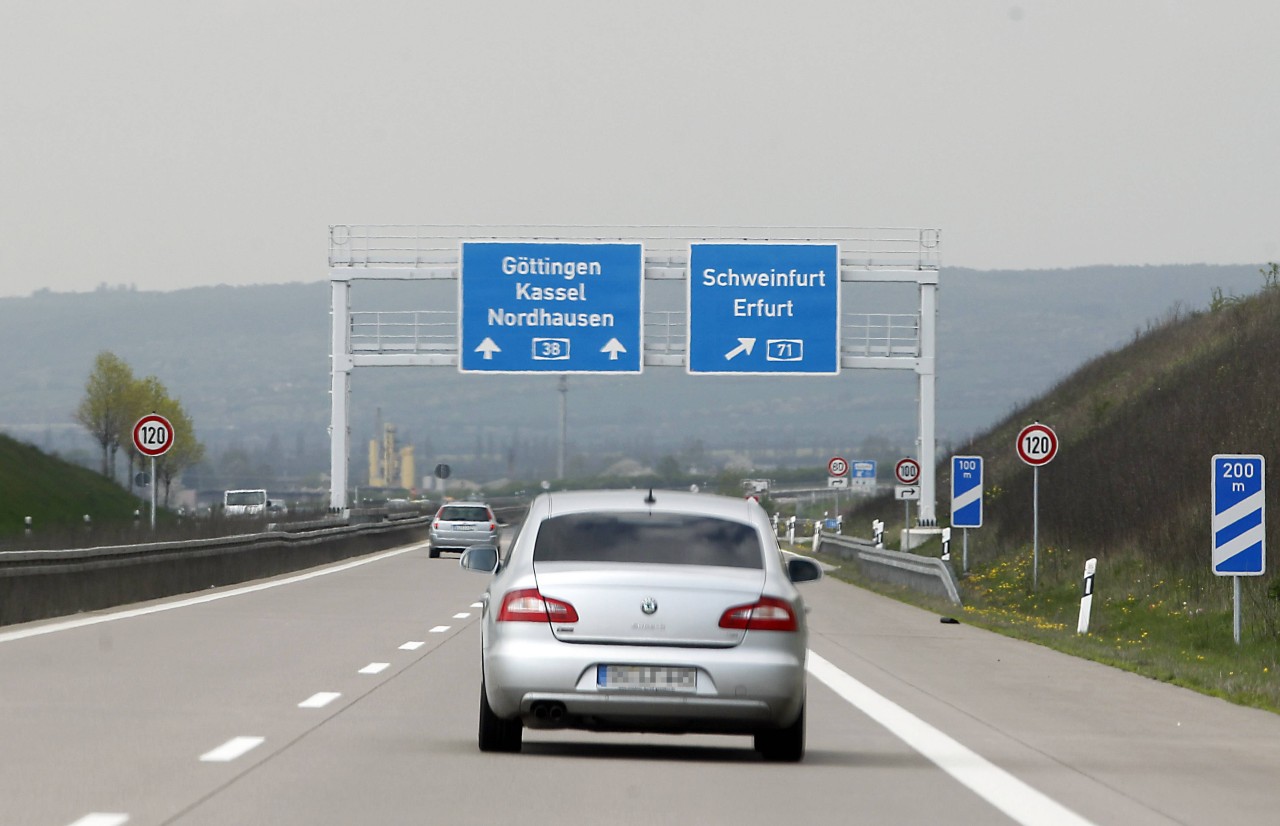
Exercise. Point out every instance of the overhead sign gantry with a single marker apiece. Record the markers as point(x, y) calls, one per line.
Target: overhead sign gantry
point(571, 299)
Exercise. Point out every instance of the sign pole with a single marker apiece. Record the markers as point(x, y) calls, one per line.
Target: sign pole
point(1235, 619)
point(965, 562)
point(1035, 529)
point(906, 525)
point(153, 494)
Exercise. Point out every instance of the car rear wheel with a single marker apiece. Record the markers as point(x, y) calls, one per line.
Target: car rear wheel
point(497, 734)
point(433, 552)
point(784, 745)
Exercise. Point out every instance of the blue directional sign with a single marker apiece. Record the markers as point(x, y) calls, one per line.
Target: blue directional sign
point(1239, 518)
point(966, 491)
point(864, 469)
point(554, 307)
point(764, 308)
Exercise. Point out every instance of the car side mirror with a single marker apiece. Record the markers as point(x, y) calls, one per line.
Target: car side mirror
point(803, 569)
point(480, 558)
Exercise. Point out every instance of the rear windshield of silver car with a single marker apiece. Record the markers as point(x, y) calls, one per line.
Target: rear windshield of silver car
point(671, 539)
point(462, 513)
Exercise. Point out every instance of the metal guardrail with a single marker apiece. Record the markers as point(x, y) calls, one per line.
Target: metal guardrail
point(924, 574)
point(47, 583)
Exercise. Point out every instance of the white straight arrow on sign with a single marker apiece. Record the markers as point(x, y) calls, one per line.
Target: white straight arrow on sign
point(613, 348)
point(488, 348)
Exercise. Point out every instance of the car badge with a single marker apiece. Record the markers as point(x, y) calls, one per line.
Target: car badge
point(649, 606)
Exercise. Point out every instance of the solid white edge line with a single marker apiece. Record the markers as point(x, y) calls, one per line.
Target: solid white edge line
point(232, 749)
point(993, 784)
point(439, 629)
point(320, 699)
point(412, 645)
point(374, 668)
point(102, 819)
point(67, 625)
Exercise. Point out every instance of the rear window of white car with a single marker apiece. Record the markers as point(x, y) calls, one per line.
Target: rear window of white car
point(671, 539)
point(462, 513)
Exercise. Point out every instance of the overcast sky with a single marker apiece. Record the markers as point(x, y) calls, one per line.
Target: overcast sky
point(170, 144)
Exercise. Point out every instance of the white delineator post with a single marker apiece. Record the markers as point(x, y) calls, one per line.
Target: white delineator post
point(1086, 596)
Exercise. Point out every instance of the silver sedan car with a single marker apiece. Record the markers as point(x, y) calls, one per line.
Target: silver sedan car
point(459, 525)
point(638, 610)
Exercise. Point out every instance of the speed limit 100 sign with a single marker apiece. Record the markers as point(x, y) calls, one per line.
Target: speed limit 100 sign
point(1037, 444)
point(153, 435)
point(907, 471)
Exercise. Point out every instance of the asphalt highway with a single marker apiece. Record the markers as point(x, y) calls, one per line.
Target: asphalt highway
point(348, 695)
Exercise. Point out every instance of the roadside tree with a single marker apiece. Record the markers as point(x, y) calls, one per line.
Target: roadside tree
point(106, 406)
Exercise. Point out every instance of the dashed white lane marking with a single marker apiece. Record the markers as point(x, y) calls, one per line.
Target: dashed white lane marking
point(102, 819)
point(233, 748)
point(462, 615)
point(67, 625)
point(412, 645)
point(477, 605)
point(374, 668)
point(320, 699)
point(439, 629)
point(993, 784)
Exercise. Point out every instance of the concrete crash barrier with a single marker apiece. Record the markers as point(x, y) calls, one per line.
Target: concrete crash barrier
point(924, 574)
point(40, 584)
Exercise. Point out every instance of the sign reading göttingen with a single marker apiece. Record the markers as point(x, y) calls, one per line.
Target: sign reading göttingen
point(554, 307)
point(764, 308)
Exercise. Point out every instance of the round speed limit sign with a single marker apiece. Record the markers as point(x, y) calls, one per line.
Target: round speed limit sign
point(907, 471)
point(1037, 444)
point(153, 435)
point(837, 466)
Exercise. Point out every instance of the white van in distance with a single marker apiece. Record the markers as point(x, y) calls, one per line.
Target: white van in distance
point(244, 503)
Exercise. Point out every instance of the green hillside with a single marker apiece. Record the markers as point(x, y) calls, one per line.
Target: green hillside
point(1130, 485)
point(57, 495)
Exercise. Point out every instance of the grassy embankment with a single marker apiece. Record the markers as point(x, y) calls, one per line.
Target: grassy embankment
point(57, 495)
point(1130, 486)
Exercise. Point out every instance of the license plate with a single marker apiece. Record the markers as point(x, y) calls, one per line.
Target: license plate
point(647, 677)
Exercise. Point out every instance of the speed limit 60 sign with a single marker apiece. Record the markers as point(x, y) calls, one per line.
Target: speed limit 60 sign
point(1037, 444)
point(153, 435)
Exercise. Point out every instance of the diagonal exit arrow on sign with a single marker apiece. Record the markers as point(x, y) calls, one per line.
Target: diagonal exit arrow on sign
point(745, 345)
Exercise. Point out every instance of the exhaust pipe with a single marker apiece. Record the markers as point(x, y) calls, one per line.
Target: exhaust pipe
point(550, 712)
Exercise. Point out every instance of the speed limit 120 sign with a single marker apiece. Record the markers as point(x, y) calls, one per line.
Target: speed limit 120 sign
point(153, 435)
point(907, 471)
point(1037, 444)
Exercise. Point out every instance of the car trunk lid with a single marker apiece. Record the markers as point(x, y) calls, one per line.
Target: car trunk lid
point(648, 604)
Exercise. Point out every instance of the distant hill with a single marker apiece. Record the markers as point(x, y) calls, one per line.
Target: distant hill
point(251, 365)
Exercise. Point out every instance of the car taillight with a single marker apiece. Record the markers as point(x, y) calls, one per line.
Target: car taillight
point(527, 605)
point(766, 614)
point(435, 524)
point(492, 527)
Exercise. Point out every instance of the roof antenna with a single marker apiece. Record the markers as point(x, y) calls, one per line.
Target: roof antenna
point(649, 500)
